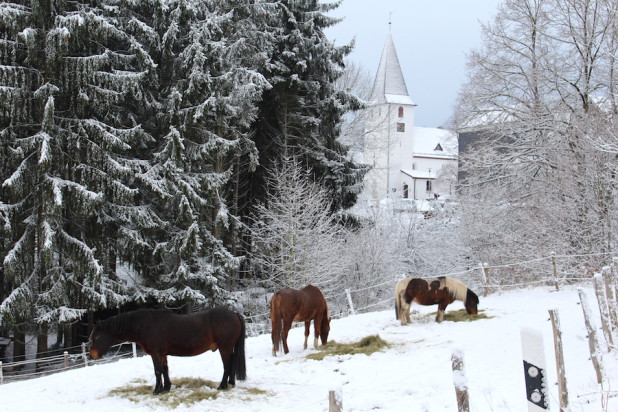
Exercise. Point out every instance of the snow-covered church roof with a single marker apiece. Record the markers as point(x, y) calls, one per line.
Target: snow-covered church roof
point(390, 86)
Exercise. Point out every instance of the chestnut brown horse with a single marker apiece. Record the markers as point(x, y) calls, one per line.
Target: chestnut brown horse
point(442, 292)
point(304, 305)
point(160, 333)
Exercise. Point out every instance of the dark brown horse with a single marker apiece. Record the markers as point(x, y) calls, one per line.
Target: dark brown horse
point(160, 333)
point(442, 292)
point(305, 305)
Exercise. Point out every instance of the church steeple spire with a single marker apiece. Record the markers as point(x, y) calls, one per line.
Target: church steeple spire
point(390, 86)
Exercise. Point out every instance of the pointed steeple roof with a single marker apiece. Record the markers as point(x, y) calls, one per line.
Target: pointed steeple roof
point(390, 86)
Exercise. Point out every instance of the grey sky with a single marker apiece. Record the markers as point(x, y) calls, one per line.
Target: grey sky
point(432, 38)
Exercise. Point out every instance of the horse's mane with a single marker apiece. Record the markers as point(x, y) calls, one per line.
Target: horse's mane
point(126, 322)
point(457, 289)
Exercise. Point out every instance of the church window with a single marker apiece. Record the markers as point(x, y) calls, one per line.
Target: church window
point(400, 111)
point(438, 148)
point(401, 127)
point(428, 186)
point(405, 191)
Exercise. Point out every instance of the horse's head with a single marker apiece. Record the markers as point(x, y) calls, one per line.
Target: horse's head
point(472, 302)
point(325, 329)
point(99, 342)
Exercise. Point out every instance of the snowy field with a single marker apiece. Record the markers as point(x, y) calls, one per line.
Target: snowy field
point(414, 374)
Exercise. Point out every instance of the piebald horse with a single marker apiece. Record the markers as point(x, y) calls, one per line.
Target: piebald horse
point(441, 291)
point(304, 305)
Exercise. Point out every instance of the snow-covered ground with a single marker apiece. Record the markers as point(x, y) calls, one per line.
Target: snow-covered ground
point(414, 374)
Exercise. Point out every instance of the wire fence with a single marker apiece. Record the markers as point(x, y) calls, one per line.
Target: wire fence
point(553, 270)
point(342, 302)
point(71, 358)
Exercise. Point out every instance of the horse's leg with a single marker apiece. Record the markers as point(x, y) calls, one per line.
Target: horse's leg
point(228, 373)
point(408, 306)
point(160, 368)
point(287, 325)
point(401, 308)
point(317, 329)
point(307, 325)
point(441, 309)
point(167, 384)
point(406, 313)
point(404, 309)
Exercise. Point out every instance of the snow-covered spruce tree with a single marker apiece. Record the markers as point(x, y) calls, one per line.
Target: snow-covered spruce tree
point(73, 79)
point(297, 239)
point(208, 89)
point(301, 114)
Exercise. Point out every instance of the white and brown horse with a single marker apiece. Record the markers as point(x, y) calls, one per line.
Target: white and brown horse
point(441, 291)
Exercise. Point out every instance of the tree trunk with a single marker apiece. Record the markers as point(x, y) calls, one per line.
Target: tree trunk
point(41, 341)
point(19, 346)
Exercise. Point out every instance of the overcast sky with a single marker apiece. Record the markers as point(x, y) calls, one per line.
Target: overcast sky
point(432, 38)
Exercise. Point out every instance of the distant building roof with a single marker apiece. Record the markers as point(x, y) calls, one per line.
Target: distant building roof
point(419, 174)
point(390, 86)
point(427, 139)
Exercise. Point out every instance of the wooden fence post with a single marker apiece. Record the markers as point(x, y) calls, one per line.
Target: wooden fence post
point(563, 394)
point(349, 296)
point(534, 370)
point(593, 343)
point(604, 310)
point(134, 348)
point(335, 401)
point(484, 278)
point(459, 379)
point(609, 279)
point(65, 356)
point(84, 356)
point(553, 261)
point(1, 374)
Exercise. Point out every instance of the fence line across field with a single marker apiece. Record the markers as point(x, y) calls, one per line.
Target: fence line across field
point(59, 363)
point(261, 324)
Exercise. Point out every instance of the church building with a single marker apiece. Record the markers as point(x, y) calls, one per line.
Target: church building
point(408, 162)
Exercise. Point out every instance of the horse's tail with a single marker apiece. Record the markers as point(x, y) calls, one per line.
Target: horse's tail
point(276, 321)
point(239, 364)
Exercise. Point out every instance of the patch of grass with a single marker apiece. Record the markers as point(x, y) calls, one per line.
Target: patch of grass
point(185, 391)
point(461, 316)
point(367, 346)
point(257, 391)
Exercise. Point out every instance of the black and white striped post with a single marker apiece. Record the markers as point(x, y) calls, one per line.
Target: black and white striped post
point(534, 370)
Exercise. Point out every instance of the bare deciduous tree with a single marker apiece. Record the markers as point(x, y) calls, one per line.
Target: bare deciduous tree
point(541, 85)
point(297, 239)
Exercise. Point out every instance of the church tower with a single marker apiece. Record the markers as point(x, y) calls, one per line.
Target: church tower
point(389, 127)
point(408, 162)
